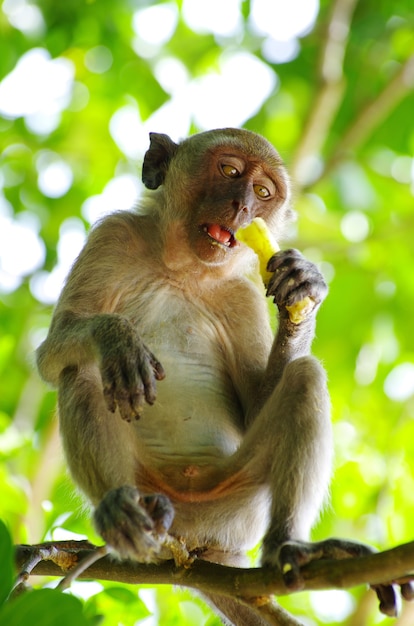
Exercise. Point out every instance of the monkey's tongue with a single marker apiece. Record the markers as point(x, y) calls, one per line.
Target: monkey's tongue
point(220, 234)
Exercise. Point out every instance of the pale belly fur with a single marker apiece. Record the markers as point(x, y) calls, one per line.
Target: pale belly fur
point(196, 422)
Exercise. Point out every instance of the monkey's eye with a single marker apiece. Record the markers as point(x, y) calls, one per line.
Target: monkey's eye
point(261, 191)
point(230, 171)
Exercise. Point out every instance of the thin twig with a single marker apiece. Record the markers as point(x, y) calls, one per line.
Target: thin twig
point(374, 113)
point(329, 96)
point(82, 566)
point(274, 614)
point(37, 555)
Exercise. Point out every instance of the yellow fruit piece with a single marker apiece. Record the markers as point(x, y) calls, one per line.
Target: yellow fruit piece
point(257, 236)
point(300, 310)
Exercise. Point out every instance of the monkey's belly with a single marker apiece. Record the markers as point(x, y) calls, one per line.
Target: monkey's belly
point(193, 427)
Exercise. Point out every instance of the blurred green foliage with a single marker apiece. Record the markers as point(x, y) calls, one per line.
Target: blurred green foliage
point(356, 218)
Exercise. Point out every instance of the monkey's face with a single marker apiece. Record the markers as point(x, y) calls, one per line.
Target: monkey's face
point(235, 189)
point(215, 182)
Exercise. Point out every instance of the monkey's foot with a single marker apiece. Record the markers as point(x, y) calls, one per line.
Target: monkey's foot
point(291, 556)
point(134, 525)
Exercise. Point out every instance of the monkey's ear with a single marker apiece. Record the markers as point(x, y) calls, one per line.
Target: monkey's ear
point(157, 159)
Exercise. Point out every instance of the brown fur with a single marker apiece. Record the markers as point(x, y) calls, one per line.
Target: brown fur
point(159, 321)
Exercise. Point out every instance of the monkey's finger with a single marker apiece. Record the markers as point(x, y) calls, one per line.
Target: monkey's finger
point(284, 259)
point(291, 575)
point(297, 284)
point(136, 402)
point(389, 600)
point(118, 504)
point(291, 557)
point(129, 388)
point(109, 396)
point(160, 510)
point(290, 273)
point(283, 282)
point(316, 290)
point(125, 525)
point(124, 405)
point(149, 387)
point(407, 590)
point(128, 391)
point(159, 371)
point(116, 383)
point(131, 400)
point(132, 542)
point(130, 397)
point(150, 370)
point(157, 368)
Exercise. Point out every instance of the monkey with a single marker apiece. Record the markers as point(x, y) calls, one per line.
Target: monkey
point(179, 409)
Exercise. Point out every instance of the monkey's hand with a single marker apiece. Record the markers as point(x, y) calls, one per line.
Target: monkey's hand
point(258, 236)
point(291, 556)
point(129, 370)
point(134, 525)
point(297, 286)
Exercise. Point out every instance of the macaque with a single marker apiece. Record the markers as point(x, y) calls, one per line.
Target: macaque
point(178, 409)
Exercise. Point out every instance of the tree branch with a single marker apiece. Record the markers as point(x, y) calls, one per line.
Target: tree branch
point(329, 96)
point(395, 565)
point(306, 166)
point(374, 113)
point(252, 587)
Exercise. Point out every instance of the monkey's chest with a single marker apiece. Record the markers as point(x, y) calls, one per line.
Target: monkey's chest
point(196, 419)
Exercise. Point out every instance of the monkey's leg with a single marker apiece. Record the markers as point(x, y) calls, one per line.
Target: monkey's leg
point(102, 455)
point(296, 450)
point(289, 447)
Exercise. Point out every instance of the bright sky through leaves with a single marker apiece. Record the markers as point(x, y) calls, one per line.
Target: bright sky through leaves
point(39, 88)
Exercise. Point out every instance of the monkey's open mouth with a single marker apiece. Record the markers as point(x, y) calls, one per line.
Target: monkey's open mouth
point(220, 234)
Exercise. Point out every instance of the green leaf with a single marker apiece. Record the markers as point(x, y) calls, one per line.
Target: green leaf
point(120, 605)
point(7, 562)
point(45, 607)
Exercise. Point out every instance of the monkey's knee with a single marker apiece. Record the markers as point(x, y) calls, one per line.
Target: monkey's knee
point(305, 374)
point(307, 394)
point(67, 380)
point(305, 387)
point(134, 525)
point(80, 389)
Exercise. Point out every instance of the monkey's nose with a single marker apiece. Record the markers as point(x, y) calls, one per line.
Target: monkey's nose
point(241, 207)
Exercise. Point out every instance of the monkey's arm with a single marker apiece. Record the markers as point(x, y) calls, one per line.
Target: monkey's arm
point(128, 368)
point(298, 289)
point(87, 329)
point(294, 279)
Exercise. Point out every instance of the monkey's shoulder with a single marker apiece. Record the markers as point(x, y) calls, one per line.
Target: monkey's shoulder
point(122, 228)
